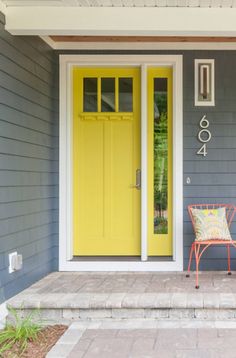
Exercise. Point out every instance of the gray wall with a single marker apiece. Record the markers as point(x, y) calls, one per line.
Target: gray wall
point(213, 178)
point(28, 159)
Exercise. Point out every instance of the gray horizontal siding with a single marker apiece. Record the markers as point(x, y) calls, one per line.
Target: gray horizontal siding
point(22, 163)
point(22, 148)
point(28, 159)
point(13, 116)
point(213, 178)
point(24, 237)
point(22, 104)
point(23, 54)
point(24, 193)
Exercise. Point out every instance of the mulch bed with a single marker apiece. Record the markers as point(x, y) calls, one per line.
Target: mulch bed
point(47, 338)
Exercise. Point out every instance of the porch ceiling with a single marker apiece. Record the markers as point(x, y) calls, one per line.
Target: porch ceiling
point(120, 21)
point(125, 3)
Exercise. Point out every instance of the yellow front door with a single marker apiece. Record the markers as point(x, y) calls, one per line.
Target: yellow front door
point(106, 161)
point(160, 162)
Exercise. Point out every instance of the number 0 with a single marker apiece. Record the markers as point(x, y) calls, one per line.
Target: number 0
point(208, 134)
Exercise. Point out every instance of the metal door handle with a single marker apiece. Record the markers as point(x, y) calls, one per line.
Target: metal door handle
point(138, 180)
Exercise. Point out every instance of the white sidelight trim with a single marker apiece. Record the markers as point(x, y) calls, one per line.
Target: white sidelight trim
point(178, 161)
point(163, 21)
point(66, 160)
point(144, 163)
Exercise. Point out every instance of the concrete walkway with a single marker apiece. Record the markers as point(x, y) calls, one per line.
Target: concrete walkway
point(147, 339)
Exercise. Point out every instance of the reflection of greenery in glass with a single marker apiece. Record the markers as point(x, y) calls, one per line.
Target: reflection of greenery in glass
point(160, 163)
point(108, 94)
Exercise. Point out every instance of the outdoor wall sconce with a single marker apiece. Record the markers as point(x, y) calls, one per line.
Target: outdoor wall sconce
point(204, 83)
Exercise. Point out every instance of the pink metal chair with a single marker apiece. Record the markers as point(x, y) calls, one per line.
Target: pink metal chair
point(199, 247)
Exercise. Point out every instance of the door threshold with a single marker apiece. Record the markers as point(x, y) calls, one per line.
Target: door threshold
point(121, 258)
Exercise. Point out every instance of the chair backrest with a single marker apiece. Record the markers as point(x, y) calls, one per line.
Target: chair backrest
point(229, 208)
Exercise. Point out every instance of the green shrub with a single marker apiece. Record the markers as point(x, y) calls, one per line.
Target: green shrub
point(20, 332)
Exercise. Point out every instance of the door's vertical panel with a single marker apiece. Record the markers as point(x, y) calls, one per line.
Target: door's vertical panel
point(122, 178)
point(90, 183)
point(108, 158)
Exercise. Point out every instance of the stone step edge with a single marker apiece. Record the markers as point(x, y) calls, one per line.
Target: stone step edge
point(124, 300)
point(58, 314)
point(179, 301)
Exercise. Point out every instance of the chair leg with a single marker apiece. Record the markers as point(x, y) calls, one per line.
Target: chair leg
point(229, 266)
point(190, 260)
point(197, 258)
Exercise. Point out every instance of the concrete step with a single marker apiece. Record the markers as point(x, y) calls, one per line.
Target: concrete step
point(159, 306)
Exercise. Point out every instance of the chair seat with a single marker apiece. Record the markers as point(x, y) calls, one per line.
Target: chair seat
point(215, 241)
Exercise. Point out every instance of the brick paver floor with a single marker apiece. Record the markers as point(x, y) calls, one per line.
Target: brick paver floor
point(147, 339)
point(132, 282)
point(158, 343)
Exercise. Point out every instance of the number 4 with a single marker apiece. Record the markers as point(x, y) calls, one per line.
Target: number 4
point(202, 150)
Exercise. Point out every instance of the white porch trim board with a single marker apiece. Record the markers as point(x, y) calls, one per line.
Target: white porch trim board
point(66, 185)
point(139, 45)
point(3, 8)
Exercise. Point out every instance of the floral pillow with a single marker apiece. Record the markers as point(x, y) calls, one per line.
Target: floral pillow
point(211, 224)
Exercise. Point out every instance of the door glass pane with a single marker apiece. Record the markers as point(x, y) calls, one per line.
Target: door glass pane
point(160, 156)
point(108, 94)
point(125, 95)
point(90, 95)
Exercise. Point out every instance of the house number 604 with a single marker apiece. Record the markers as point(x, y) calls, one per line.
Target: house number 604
point(204, 136)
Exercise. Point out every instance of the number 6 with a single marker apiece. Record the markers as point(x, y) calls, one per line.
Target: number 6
point(204, 123)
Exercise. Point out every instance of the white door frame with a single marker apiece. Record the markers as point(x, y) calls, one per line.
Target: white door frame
point(65, 160)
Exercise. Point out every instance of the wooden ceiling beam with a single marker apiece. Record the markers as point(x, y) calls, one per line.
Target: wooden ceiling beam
point(142, 39)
